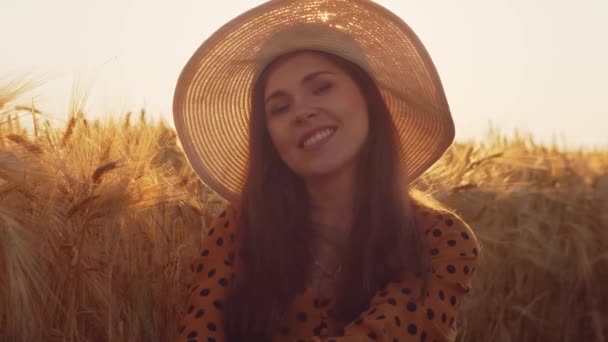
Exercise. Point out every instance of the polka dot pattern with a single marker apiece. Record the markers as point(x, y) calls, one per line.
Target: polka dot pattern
point(211, 274)
point(393, 314)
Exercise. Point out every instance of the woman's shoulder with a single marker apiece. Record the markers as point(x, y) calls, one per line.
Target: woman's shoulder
point(444, 228)
point(228, 212)
point(426, 215)
point(224, 226)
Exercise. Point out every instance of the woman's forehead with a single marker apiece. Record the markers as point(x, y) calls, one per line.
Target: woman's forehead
point(302, 60)
point(296, 66)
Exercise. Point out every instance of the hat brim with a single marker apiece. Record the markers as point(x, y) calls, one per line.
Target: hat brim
point(211, 104)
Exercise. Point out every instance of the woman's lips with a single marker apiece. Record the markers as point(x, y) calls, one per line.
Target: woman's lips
point(320, 143)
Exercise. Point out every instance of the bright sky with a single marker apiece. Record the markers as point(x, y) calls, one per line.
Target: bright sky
point(540, 66)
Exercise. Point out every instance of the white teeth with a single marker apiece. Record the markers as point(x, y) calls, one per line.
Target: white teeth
point(318, 136)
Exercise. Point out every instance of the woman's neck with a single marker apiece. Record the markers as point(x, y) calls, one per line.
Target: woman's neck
point(332, 202)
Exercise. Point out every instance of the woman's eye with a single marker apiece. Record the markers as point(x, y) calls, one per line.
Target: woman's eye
point(278, 110)
point(323, 88)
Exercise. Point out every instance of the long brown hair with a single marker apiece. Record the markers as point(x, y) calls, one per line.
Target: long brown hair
point(275, 212)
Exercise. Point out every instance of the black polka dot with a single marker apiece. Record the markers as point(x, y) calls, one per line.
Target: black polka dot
point(199, 268)
point(223, 213)
point(412, 329)
point(372, 311)
point(219, 242)
point(217, 304)
point(372, 335)
point(451, 269)
point(211, 326)
point(436, 233)
point(453, 300)
point(192, 334)
point(211, 272)
point(449, 222)
point(430, 314)
point(302, 316)
point(441, 295)
point(223, 282)
point(434, 251)
point(190, 309)
point(423, 336)
point(204, 292)
point(464, 235)
point(392, 301)
point(463, 254)
point(466, 269)
point(181, 329)
point(380, 317)
point(211, 231)
point(199, 313)
point(451, 243)
point(397, 321)
point(205, 252)
point(406, 291)
point(411, 307)
point(443, 317)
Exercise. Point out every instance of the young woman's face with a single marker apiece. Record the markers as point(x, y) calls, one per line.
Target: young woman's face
point(316, 115)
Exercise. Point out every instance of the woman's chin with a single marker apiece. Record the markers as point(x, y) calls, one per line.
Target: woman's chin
point(321, 170)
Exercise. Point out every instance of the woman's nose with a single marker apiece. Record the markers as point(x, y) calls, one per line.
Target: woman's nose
point(305, 114)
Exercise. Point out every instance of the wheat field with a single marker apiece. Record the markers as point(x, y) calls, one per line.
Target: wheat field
point(99, 219)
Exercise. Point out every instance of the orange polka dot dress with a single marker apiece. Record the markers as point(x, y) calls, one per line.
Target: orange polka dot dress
point(393, 314)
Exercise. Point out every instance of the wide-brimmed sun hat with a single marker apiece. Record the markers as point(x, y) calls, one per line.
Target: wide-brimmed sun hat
point(212, 101)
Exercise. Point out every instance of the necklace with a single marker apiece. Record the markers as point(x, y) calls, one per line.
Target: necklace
point(319, 282)
point(326, 273)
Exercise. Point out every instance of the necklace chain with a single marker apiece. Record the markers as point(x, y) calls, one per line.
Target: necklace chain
point(324, 269)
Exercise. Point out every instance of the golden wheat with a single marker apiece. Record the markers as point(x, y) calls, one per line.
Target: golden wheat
point(98, 223)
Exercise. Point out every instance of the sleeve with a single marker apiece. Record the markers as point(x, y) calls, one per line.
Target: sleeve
point(393, 313)
point(212, 270)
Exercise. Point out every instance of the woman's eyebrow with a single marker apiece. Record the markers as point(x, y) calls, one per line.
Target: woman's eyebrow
point(305, 79)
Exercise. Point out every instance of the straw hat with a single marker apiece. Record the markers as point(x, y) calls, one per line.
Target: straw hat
point(212, 98)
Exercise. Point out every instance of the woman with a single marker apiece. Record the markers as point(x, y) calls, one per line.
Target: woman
point(312, 118)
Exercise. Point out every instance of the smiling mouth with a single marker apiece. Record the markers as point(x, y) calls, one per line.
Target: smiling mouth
point(318, 140)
